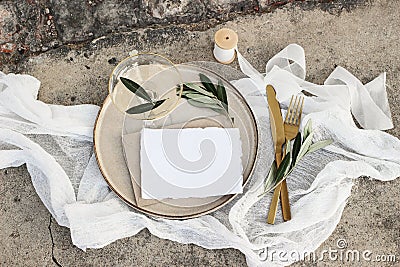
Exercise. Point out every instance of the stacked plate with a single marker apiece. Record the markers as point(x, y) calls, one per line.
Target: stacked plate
point(112, 126)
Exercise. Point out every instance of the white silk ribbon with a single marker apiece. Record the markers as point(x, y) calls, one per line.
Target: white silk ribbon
point(286, 71)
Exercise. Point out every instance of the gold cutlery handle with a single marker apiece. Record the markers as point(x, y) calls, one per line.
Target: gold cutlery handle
point(285, 202)
point(274, 204)
point(281, 191)
point(273, 207)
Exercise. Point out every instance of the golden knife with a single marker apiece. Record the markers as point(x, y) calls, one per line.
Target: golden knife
point(278, 136)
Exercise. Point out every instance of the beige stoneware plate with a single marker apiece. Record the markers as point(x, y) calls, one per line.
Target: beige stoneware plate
point(111, 124)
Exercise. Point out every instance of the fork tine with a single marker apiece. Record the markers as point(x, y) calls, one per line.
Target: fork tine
point(293, 112)
point(295, 109)
point(299, 110)
point(289, 110)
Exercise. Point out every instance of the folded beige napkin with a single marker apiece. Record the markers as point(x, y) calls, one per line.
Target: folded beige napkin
point(131, 145)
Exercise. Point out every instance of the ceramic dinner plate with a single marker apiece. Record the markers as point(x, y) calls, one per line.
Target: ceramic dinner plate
point(112, 125)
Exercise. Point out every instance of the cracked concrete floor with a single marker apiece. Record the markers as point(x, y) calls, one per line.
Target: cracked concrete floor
point(365, 41)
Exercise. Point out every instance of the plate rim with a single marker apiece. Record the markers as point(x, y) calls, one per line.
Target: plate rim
point(193, 215)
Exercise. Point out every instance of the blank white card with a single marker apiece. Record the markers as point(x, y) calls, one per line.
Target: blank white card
point(193, 162)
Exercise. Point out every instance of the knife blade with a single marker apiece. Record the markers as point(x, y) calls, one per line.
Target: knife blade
point(277, 129)
point(278, 137)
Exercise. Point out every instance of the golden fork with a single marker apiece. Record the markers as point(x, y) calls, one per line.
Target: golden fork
point(291, 126)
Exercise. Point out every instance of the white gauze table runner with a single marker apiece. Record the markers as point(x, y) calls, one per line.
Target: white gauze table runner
point(55, 142)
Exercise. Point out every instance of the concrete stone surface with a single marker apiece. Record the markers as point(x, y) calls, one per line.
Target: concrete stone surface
point(363, 39)
point(33, 26)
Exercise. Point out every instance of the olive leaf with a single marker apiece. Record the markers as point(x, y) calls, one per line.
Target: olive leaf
point(199, 89)
point(294, 156)
point(136, 89)
point(221, 92)
point(187, 90)
point(199, 104)
point(296, 148)
point(307, 129)
point(184, 88)
point(305, 146)
point(140, 108)
point(319, 145)
point(282, 169)
point(288, 146)
point(202, 98)
point(271, 176)
point(208, 84)
point(184, 94)
point(206, 95)
point(144, 107)
point(276, 176)
point(269, 181)
point(158, 103)
point(206, 101)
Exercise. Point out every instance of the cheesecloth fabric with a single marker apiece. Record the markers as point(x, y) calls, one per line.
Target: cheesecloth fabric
point(55, 143)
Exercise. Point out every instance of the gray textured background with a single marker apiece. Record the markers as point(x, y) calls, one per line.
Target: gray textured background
point(72, 47)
